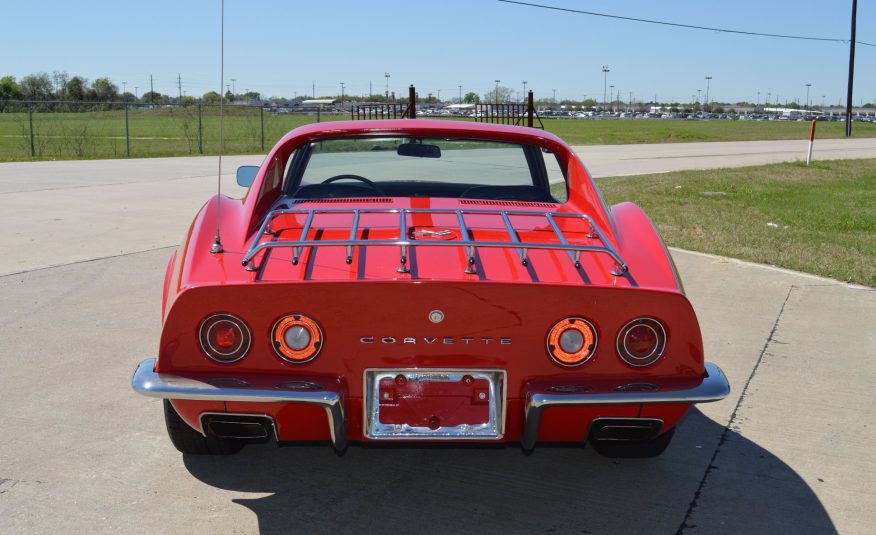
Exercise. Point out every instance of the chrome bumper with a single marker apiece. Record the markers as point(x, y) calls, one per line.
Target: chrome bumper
point(163, 385)
point(714, 387)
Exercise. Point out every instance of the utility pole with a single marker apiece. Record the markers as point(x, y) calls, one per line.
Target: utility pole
point(605, 71)
point(151, 91)
point(611, 98)
point(708, 79)
point(179, 86)
point(851, 70)
point(807, 95)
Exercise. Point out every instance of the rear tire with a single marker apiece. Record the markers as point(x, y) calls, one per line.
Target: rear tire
point(187, 440)
point(618, 449)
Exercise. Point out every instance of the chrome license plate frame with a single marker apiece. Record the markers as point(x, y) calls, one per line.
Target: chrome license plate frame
point(492, 429)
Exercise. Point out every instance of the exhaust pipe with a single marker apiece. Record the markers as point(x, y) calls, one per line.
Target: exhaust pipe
point(247, 427)
point(626, 429)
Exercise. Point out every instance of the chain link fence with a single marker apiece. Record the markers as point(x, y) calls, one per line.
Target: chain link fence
point(45, 130)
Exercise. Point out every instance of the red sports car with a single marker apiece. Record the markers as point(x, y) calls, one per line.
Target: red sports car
point(418, 280)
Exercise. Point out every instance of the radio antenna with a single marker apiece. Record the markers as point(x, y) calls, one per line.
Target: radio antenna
point(217, 242)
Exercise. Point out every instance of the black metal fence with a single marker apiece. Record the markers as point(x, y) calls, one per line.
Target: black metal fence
point(74, 130)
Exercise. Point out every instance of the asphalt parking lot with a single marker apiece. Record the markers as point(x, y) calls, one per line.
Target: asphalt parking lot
point(85, 245)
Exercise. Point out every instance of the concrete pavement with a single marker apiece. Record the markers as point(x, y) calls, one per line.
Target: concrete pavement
point(790, 451)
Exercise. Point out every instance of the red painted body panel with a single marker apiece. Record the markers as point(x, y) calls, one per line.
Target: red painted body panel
point(369, 298)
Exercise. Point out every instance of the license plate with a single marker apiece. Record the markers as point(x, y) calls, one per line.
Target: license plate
point(433, 404)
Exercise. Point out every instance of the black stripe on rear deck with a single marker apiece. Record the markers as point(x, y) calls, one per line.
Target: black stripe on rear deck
point(311, 255)
point(360, 267)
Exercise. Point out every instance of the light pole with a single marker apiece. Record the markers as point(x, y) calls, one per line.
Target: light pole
point(611, 97)
point(699, 93)
point(137, 87)
point(460, 93)
point(524, 89)
point(605, 71)
point(232, 86)
point(554, 100)
point(768, 98)
point(124, 87)
point(708, 79)
point(342, 92)
point(757, 103)
point(807, 95)
point(497, 91)
point(386, 75)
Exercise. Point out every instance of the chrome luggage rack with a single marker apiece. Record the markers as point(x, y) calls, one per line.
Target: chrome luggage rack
point(404, 241)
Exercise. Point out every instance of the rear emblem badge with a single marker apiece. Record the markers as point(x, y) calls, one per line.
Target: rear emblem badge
point(436, 316)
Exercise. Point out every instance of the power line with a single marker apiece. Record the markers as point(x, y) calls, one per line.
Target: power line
point(679, 25)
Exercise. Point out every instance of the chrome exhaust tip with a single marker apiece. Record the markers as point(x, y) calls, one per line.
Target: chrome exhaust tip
point(250, 428)
point(626, 429)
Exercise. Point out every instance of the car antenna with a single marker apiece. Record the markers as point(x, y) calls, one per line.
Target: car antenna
point(217, 242)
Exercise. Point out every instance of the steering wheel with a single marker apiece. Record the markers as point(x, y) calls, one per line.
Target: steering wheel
point(361, 179)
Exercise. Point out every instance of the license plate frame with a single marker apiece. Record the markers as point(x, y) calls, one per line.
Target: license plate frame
point(492, 429)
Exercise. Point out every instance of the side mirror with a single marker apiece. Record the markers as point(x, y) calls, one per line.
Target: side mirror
point(246, 174)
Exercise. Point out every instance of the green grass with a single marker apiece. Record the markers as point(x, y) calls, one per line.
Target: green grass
point(819, 219)
point(174, 132)
point(612, 132)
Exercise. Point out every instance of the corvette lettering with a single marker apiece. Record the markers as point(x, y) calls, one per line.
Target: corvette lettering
point(430, 340)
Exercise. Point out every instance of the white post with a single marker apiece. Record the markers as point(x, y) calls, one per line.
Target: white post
point(811, 142)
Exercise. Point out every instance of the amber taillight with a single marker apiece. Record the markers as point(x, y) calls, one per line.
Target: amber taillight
point(296, 338)
point(224, 338)
point(571, 341)
point(641, 342)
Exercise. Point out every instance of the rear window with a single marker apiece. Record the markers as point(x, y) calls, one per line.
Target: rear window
point(395, 159)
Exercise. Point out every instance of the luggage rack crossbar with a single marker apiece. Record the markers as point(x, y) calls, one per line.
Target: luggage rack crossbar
point(467, 240)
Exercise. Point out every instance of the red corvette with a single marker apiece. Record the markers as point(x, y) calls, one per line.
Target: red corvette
point(418, 280)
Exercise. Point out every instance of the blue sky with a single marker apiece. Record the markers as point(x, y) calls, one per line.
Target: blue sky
point(281, 48)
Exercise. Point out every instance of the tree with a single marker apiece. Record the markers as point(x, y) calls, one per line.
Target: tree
point(153, 96)
point(211, 97)
point(60, 79)
point(471, 98)
point(127, 96)
point(76, 88)
point(252, 95)
point(499, 95)
point(37, 87)
point(9, 89)
point(103, 90)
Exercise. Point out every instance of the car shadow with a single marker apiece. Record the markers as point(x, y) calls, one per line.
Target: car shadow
point(557, 489)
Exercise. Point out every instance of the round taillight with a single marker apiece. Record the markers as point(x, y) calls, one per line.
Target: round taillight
point(224, 338)
point(296, 338)
point(641, 342)
point(571, 341)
